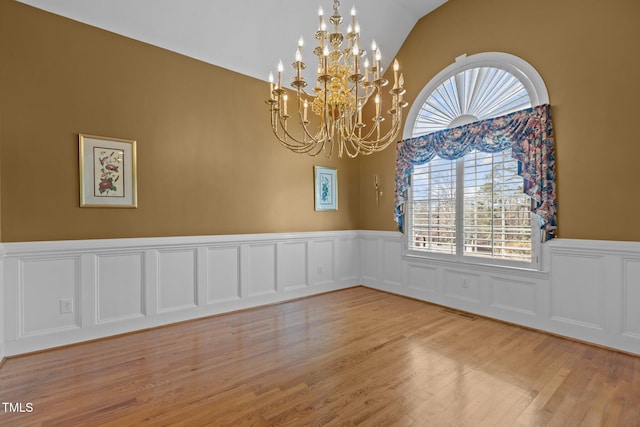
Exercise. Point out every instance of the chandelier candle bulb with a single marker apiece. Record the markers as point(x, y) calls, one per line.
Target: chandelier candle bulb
point(298, 64)
point(396, 67)
point(356, 59)
point(319, 73)
point(299, 51)
point(285, 98)
point(401, 103)
point(378, 58)
point(280, 69)
point(353, 17)
point(271, 86)
point(366, 69)
point(323, 27)
point(325, 54)
point(304, 116)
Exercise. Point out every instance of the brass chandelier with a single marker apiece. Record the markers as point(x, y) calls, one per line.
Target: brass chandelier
point(345, 82)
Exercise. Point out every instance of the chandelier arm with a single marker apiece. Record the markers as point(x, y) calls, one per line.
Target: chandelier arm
point(301, 146)
point(317, 139)
point(298, 146)
point(355, 121)
point(371, 131)
point(368, 92)
point(388, 137)
point(355, 147)
point(302, 90)
point(349, 136)
point(382, 142)
point(319, 148)
point(359, 145)
point(348, 131)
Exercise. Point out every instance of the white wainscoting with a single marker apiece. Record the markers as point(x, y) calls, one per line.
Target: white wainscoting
point(122, 285)
point(588, 290)
point(2, 309)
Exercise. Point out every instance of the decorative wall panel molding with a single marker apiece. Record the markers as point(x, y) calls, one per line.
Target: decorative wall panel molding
point(577, 274)
point(119, 287)
point(631, 298)
point(293, 265)
point(177, 274)
point(515, 295)
point(323, 251)
point(36, 315)
point(223, 274)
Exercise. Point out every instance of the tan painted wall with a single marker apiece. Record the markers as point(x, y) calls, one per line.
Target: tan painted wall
point(587, 53)
point(59, 78)
point(207, 160)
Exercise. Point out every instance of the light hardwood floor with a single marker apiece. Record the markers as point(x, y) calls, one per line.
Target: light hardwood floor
point(353, 357)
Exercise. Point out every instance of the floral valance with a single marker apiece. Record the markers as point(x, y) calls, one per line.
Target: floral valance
point(528, 132)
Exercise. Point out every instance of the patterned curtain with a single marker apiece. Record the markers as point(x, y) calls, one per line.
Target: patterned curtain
point(528, 132)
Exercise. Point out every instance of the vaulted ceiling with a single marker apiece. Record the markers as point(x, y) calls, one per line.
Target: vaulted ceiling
point(246, 36)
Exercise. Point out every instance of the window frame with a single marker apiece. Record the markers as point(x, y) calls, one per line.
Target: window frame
point(536, 89)
point(459, 256)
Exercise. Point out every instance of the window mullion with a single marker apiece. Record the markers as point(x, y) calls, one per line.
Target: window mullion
point(460, 207)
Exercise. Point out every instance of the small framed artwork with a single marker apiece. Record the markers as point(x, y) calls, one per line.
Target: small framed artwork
point(107, 172)
point(326, 188)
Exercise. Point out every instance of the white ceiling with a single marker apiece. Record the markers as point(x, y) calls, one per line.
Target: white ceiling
point(246, 36)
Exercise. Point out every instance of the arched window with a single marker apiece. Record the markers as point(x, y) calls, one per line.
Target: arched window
point(473, 207)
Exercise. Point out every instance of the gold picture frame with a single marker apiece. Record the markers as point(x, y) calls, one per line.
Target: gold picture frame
point(108, 176)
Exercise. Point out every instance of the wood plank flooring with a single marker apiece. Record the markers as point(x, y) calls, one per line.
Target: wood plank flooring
point(353, 357)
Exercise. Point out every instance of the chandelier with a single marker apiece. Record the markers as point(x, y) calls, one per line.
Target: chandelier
point(345, 82)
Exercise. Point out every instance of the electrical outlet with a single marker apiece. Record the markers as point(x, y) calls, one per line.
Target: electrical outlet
point(66, 305)
point(465, 282)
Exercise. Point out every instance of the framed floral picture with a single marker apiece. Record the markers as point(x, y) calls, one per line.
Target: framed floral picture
point(326, 188)
point(107, 172)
